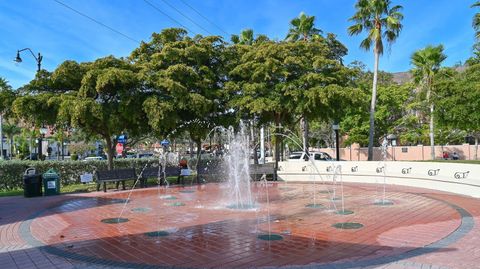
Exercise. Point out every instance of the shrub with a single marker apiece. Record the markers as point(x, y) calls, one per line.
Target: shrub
point(11, 172)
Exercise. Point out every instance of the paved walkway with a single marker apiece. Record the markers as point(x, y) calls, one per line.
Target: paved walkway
point(195, 229)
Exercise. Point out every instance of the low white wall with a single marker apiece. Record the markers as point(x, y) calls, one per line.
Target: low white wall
point(451, 177)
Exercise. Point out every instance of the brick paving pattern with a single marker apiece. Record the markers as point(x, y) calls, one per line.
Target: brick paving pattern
point(422, 229)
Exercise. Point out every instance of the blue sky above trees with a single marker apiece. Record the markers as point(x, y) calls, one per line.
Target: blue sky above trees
point(61, 34)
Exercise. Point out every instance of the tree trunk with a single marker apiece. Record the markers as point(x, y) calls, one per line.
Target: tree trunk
point(305, 131)
point(199, 157)
point(253, 142)
point(282, 149)
point(58, 150)
point(63, 152)
point(30, 149)
point(191, 148)
point(372, 106)
point(432, 137)
point(277, 147)
point(110, 152)
point(431, 134)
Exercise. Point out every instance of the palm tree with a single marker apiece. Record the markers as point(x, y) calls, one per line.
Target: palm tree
point(476, 21)
point(302, 28)
point(380, 22)
point(245, 37)
point(10, 130)
point(426, 63)
point(4, 107)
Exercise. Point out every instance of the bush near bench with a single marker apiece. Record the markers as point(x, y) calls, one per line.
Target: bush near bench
point(11, 172)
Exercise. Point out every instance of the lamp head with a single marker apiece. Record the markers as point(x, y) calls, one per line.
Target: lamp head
point(43, 130)
point(18, 59)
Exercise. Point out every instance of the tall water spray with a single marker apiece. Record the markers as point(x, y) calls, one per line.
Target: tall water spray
point(237, 162)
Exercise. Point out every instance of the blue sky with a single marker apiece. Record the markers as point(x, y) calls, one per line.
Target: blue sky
point(59, 34)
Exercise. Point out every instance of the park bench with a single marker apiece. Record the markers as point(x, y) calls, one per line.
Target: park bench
point(117, 175)
point(217, 170)
point(211, 171)
point(258, 170)
point(153, 172)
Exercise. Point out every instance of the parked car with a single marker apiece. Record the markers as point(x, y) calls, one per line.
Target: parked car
point(94, 158)
point(145, 155)
point(302, 156)
point(32, 156)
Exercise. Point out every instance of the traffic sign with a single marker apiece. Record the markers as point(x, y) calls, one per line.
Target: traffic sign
point(122, 139)
point(165, 143)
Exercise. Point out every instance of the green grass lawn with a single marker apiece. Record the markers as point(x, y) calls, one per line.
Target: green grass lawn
point(80, 187)
point(11, 193)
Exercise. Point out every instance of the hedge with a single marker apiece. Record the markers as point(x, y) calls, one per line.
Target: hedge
point(11, 172)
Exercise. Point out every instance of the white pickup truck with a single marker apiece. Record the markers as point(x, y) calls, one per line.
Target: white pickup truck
point(314, 155)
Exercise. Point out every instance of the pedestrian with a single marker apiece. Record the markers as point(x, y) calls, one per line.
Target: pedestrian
point(445, 155)
point(183, 164)
point(455, 156)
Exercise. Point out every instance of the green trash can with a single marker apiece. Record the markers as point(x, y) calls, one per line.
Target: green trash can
point(51, 182)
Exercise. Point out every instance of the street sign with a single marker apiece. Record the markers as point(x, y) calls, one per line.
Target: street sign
point(165, 143)
point(87, 177)
point(122, 139)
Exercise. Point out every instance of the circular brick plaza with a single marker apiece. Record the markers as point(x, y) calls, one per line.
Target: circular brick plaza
point(194, 227)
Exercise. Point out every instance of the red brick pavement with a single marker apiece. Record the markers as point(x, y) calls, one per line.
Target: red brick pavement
point(206, 234)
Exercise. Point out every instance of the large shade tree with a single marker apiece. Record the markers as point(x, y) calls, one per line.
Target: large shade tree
point(426, 64)
point(382, 22)
point(476, 20)
point(107, 103)
point(100, 98)
point(183, 83)
point(277, 81)
point(303, 28)
point(458, 99)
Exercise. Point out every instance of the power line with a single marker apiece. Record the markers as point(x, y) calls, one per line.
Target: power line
point(205, 18)
point(97, 22)
point(185, 16)
point(165, 14)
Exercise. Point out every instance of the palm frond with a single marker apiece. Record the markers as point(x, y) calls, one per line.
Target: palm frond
point(378, 20)
point(302, 27)
point(366, 44)
point(355, 29)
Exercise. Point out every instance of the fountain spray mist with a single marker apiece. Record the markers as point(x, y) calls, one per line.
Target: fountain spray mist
point(238, 167)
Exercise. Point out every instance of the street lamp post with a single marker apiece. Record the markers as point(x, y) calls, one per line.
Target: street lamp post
point(336, 127)
point(38, 58)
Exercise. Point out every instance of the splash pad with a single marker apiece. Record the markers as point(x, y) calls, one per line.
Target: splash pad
point(206, 233)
